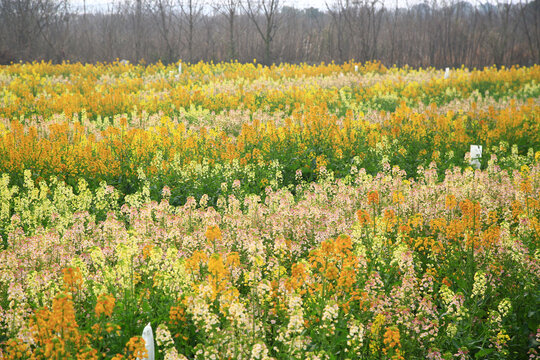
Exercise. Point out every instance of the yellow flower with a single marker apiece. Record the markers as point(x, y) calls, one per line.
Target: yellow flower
point(397, 197)
point(213, 233)
point(502, 337)
point(377, 323)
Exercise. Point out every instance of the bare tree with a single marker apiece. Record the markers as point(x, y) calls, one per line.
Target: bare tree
point(530, 18)
point(229, 9)
point(164, 16)
point(440, 33)
point(265, 15)
point(358, 25)
point(336, 11)
point(191, 11)
point(26, 22)
point(138, 28)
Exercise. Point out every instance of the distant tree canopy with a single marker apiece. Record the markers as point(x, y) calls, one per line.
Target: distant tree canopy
point(429, 34)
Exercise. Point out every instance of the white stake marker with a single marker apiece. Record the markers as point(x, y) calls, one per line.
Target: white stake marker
point(447, 73)
point(148, 337)
point(476, 155)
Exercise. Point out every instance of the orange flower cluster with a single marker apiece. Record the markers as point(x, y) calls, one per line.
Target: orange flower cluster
point(105, 305)
point(135, 349)
point(392, 343)
point(56, 334)
point(373, 198)
point(72, 279)
point(213, 233)
point(334, 267)
point(214, 270)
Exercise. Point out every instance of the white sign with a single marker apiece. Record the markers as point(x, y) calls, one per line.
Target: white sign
point(180, 68)
point(476, 155)
point(356, 68)
point(148, 337)
point(447, 73)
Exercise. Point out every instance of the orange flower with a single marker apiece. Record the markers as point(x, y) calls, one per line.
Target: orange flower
point(72, 278)
point(373, 197)
point(298, 277)
point(177, 314)
point(363, 217)
point(193, 263)
point(136, 348)
point(451, 202)
point(105, 305)
point(392, 338)
point(147, 250)
point(17, 349)
point(526, 186)
point(56, 332)
point(233, 259)
point(218, 276)
point(213, 233)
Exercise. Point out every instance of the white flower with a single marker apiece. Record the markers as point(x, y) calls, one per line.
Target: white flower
point(259, 351)
point(172, 354)
point(330, 313)
point(237, 313)
point(163, 337)
point(355, 337)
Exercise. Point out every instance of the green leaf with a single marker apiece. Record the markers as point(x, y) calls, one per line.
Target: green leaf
point(482, 353)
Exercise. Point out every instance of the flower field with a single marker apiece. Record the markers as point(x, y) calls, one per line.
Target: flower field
point(284, 212)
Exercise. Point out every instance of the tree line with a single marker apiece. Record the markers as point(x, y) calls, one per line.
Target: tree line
point(448, 33)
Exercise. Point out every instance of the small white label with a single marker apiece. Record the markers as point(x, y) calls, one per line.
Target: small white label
point(180, 68)
point(356, 68)
point(476, 155)
point(447, 73)
point(476, 151)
